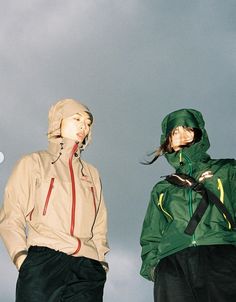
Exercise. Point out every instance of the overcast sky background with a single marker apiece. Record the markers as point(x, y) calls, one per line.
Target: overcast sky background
point(131, 62)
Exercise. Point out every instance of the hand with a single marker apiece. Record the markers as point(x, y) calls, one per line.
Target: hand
point(105, 266)
point(19, 261)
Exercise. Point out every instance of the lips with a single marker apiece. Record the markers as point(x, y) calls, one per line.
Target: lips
point(80, 135)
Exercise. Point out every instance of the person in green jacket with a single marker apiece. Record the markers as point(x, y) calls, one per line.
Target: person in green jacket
point(188, 236)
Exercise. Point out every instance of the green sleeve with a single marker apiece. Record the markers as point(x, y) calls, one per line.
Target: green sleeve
point(150, 237)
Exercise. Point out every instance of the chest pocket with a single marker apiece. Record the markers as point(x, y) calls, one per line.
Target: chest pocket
point(48, 196)
point(89, 202)
point(42, 197)
point(53, 198)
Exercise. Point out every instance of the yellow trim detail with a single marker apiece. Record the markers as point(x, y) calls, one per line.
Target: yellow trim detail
point(160, 204)
point(180, 156)
point(221, 189)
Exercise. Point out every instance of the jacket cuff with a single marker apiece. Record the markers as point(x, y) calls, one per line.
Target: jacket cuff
point(152, 272)
point(24, 252)
point(105, 266)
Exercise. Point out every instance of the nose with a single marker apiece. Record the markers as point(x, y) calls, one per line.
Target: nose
point(82, 125)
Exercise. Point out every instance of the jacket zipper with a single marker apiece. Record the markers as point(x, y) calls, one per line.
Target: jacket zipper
point(78, 247)
point(48, 197)
point(190, 197)
point(73, 207)
point(72, 176)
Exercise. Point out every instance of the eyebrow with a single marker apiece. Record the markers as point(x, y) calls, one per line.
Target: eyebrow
point(88, 116)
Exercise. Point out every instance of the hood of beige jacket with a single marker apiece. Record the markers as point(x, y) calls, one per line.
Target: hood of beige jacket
point(63, 109)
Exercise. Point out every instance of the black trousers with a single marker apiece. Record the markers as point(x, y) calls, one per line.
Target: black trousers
point(197, 274)
point(52, 276)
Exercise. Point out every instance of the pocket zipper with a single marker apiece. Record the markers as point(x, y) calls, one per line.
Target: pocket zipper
point(48, 196)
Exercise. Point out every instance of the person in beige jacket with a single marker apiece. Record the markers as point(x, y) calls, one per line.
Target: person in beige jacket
point(54, 221)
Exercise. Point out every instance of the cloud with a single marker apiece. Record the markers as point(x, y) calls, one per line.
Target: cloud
point(131, 62)
point(124, 281)
point(8, 276)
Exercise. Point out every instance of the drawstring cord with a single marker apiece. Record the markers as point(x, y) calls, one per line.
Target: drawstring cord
point(60, 153)
point(82, 167)
point(76, 155)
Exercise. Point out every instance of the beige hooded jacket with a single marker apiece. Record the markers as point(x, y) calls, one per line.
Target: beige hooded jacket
point(54, 199)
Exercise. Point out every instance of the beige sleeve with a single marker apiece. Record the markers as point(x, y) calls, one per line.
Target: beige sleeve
point(14, 209)
point(100, 226)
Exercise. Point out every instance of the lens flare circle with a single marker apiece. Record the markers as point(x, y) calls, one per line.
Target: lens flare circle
point(1, 157)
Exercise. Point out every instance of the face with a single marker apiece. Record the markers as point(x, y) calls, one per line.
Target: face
point(76, 127)
point(180, 137)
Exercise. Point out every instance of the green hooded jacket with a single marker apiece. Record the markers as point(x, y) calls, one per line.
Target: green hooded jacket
point(170, 208)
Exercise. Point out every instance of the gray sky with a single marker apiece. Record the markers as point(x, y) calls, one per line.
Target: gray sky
point(131, 62)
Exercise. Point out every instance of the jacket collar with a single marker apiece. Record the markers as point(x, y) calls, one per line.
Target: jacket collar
point(63, 148)
point(188, 160)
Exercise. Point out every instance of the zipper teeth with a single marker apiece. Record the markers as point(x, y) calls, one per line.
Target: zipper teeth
point(48, 197)
point(72, 226)
point(189, 162)
point(190, 194)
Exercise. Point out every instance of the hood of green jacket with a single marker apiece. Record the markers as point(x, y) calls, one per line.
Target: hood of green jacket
point(194, 154)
